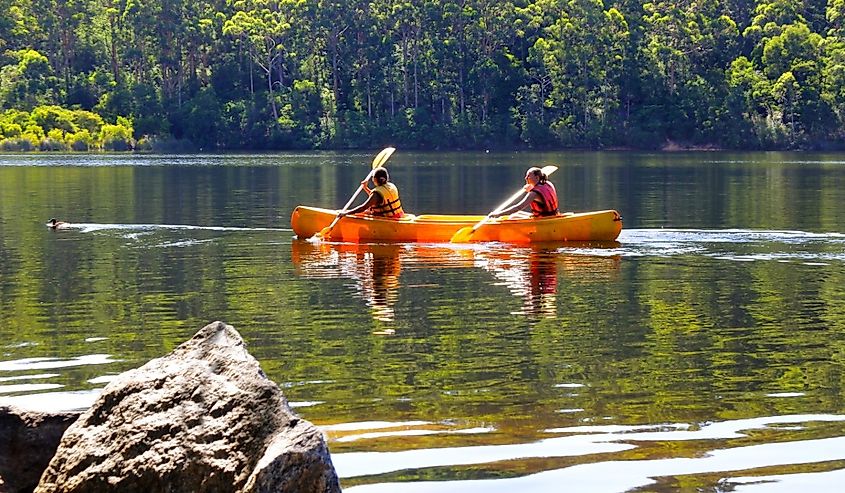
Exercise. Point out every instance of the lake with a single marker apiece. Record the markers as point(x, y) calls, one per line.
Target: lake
point(705, 350)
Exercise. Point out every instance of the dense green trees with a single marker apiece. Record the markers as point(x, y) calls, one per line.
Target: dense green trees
point(52, 128)
point(281, 74)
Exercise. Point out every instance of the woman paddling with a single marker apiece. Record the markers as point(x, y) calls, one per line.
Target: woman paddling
point(384, 198)
point(542, 196)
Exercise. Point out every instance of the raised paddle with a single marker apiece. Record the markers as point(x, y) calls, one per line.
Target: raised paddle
point(378, 161)
point(464, 234)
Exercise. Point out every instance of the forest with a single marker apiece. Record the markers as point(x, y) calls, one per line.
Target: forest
point(174, 75)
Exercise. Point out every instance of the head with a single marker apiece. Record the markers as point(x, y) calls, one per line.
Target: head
point(535, 176)
point(52, 221)
point(380, 176)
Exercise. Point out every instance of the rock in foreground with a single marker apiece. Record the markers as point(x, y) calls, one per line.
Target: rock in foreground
point(27, 442)
point(204, 418)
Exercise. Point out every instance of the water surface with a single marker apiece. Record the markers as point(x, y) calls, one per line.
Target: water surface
point(704, 349)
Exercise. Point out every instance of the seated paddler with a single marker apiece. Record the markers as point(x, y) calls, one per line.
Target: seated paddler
point(541, 196)
point(383, 199)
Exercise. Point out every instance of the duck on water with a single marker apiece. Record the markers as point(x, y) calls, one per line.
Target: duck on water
point(54, 223)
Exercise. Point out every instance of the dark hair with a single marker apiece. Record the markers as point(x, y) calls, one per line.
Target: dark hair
point(380, 176)
point(539, 174)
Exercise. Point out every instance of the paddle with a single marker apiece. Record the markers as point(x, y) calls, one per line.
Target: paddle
point(463, 235)
point(378, 161)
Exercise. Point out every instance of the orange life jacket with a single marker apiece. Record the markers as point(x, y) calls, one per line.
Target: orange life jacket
point(548, 194)
point(390, 205)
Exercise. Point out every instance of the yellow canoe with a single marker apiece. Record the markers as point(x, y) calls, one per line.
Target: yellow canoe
point(428, 228)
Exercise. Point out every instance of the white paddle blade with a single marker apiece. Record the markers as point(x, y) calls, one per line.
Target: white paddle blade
point(383, 156)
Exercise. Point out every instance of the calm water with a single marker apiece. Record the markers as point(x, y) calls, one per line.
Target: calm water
point(704, 350)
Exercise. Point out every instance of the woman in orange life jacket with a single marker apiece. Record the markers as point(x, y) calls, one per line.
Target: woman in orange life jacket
point(384, 198)
point(542, 196)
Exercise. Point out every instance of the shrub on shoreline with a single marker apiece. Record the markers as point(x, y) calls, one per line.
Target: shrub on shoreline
point(55, 129)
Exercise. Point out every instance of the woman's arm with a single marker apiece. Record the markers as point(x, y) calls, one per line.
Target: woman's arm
point(532, 195)
point(373, 200)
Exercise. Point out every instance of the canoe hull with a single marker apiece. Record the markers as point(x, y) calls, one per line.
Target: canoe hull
point(588, 226)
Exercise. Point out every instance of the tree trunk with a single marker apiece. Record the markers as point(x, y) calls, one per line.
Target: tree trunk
point(66, 37)
point(416, 52)
point(251, 74)
point(461, 89)
point(270, 92)
point(405, 67)
point(333, 42)
point(113, 45)
point(369, 99)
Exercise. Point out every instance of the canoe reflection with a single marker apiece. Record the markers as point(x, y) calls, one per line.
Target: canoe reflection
point(532, 273)
point(529, 273)
point(375, 268)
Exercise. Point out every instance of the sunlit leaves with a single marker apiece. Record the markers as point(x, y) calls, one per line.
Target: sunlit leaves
point(434, 73)
point(55, 128)
point(575, 65)
point(795, 45)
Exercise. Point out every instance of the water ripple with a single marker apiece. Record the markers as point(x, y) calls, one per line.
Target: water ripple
point(94, 227)
point(51, 363)
point(739, 245)
point(606, 476)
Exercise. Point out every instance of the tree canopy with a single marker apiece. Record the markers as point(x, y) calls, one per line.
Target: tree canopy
point(431, 74)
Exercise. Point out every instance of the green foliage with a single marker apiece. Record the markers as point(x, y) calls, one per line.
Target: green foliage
point(52, 128)
point(52, 118)
point(80, 141)
point(116, 137)
point(27, 81)
point(283, 74)
point(200, 119)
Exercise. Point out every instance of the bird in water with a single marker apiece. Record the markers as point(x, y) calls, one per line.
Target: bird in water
point(53, 223)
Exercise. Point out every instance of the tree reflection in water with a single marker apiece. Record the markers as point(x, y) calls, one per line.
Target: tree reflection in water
point(531, 273)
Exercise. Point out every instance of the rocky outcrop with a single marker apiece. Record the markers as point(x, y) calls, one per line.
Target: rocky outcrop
point(204, 418)
point(28, 440)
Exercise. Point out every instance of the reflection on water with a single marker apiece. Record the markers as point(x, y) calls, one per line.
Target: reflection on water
point(529, 273)
point(624, 474)
point(661, 474)
point(350, 432)
point(52, 363)
point(75, 400)
point(703, 352)
point(375, 269)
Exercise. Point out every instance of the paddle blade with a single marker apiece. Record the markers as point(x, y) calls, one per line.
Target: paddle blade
point(324, 233)
point(462, 235)
point(383, 156)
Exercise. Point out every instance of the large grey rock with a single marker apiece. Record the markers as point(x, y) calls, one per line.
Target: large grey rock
point(204, 418)
point(28, 440)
